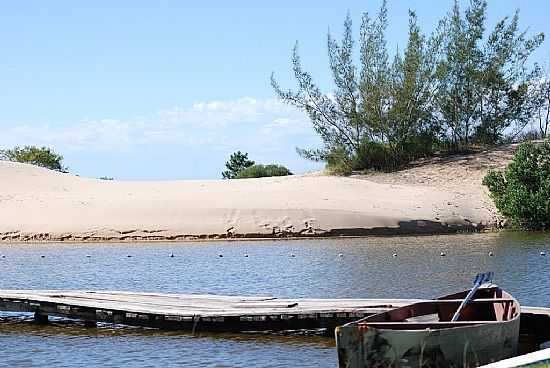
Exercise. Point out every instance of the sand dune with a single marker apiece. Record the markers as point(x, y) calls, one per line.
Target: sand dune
point(435, 197)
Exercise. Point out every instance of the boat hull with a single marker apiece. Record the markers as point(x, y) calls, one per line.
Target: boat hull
point(423, 334)
point(468, 346)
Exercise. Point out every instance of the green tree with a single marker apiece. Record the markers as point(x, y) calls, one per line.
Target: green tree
point(40, 156)
point(379, 113)
point(485, 86)
point(238, 161)
point(522, 193)
point(508, 99)
point(408, 125)
point(453, 88)
point(457, 95)
point(339, 119)
point(262, 171)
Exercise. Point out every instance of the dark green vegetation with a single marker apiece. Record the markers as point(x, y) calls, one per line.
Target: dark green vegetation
point(522, 193)
point(41, 156)
point(261, 171)
point(238, 161)
point(457, 87)
point(240, 167)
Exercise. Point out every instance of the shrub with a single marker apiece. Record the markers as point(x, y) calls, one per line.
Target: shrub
point(261, 171)
point(42, 156)
point(369, 156)
point(376, 156)
point(522, 192)
point(372, 156)
point(339, 161)
point(238, 161)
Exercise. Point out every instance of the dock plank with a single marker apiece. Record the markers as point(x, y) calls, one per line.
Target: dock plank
point(203, 305)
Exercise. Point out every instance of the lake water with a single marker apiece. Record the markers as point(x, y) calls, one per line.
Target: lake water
point(367, 269)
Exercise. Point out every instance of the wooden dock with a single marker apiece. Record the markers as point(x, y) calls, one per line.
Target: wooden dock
point(193, 312)
point(219, 313)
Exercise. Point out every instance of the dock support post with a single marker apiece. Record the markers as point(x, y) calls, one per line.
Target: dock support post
point(90, 324)
point(40, 318)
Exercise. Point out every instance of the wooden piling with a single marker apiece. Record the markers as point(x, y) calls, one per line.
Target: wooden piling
point(41, 319)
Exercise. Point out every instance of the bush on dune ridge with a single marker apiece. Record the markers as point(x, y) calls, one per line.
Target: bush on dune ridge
point(522, 192)
point(240, 167)
point(263, 171)
point(40, 156)
point(237, 162)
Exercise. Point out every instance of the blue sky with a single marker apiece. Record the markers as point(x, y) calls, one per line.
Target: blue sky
point(168, 89)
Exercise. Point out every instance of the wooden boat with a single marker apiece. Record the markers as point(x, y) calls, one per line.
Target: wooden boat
point(424, 335)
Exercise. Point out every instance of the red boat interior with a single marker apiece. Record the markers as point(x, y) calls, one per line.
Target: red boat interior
point(489, 305)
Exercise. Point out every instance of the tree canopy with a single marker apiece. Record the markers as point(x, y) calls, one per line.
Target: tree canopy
point(40, 156)
point(238, 161)
point(446, 90)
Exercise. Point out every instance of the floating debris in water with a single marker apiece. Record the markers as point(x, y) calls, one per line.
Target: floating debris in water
point(220, 255)
point(394, 255)
point(129, 256)
point(340, 255)
point(442, 254)
point(292, 255)
point(543, 253)
point(88, 256)
point(491, 254)
point(42, 256)
point(246, 255)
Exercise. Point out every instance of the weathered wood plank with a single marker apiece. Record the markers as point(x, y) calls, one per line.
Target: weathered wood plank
point(203, 305)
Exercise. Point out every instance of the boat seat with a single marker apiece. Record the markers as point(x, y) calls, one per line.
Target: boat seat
point(433, 317)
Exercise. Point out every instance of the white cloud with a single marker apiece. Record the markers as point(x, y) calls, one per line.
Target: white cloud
point(262, 124)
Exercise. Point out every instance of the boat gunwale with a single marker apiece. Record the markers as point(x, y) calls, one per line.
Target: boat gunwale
point(480, 300)
point(428, 326)
point(507, 298)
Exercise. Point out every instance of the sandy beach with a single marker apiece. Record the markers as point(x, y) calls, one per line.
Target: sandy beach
point(434, 196)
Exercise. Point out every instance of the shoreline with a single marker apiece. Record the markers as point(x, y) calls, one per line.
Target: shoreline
point(239, 240)
point(32, 239)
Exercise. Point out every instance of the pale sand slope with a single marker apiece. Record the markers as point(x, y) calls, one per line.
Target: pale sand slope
point(39, 204)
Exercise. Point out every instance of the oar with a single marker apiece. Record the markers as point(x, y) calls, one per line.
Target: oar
point(481, 278)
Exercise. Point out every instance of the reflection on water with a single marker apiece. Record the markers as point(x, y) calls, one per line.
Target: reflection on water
point(365, 269)
point(61, 344)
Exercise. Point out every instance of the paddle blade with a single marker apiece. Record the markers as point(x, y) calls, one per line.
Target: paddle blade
point(483, 278)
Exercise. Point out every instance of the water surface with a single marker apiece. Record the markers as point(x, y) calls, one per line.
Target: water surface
point(334, 268)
